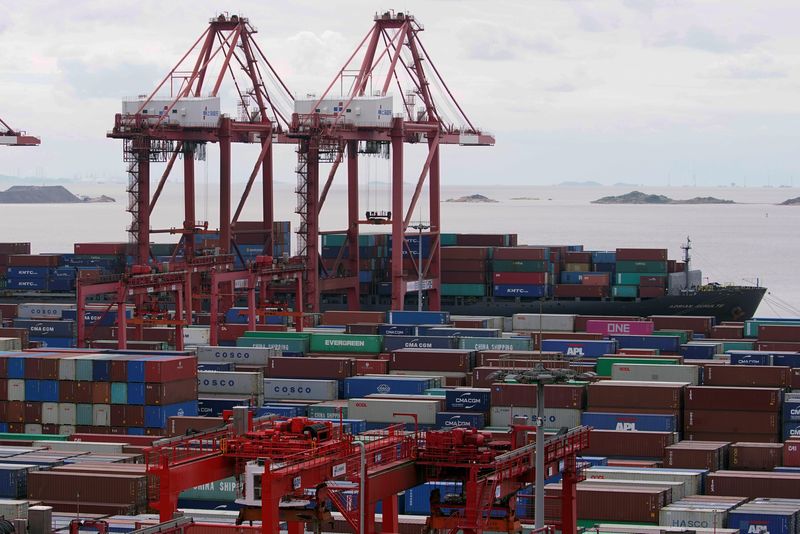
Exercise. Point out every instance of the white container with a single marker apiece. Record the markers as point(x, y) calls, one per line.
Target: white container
point(101, 414)
point(678, 488)
point(10, 344)
point(362, 110)
point(35, 310)
point(657, 529)
point(230, 382)
point(554, 417)
point(66, 368)
point(375, 410)
point(66, 430)
point(300, 389)
point(189, 111)
point(692, 478)
point(719, 348)
point(33, 428)
point(194, 336)
point(49, 413)
point(16, 389)
point(84, 446)
point(239, 355)
point(547, 322)
point(646, 372)
point(676, 515)
point(67, 413)
point(13, 509)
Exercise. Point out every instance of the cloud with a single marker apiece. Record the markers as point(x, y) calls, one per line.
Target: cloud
point(489, 41)
point(705, 39)
point(317, 54)
point(108, 79)
point(754, 66)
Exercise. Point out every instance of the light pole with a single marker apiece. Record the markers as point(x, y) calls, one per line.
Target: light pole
point(540, 379)
point(419, 226)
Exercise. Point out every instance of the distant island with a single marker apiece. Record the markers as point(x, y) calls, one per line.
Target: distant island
point(472, 198)
point(526, 198)
point(637, 197)
point(46, 194)
point(791, 202)
point(580, 184)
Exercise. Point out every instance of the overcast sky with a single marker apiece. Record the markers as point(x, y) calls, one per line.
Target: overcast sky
point(639, 91)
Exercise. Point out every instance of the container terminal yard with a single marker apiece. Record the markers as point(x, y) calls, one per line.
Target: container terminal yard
point(222, 383)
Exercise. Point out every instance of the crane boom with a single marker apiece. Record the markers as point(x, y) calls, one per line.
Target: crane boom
point(11, 137)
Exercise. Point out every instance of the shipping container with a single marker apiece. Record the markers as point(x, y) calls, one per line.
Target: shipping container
point(246, 356)
point(396, 342)
point(733, 398)
point(555, 418)
point(445, 420)
point(630, 421)
point(691, 478)
point(435, 360)
point(543, 322)
point(582, 348)
point(233, 383)
point(471, 400)
point(375, 410)
point(300, 389)
point(644, 372)
point(361, 386)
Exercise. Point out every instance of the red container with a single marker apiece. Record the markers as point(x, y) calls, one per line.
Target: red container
point(8, 311)
point(609, 502)
point(620, 393)
point(107, 438)
point(596, 279)
point(66, 391)
point(448, 360)
point(537, 336)
point(463, 277)
point(105, 249)
point(578, 257)
point(711, 455)
point(732, 437)
point(531, 355)
point(231, 332)
point(520, 278)
point(791, 452)
point(755, 456)
point(134, 415)
point(579, 290)
point(463, 265)
point(370, 329)
point(778, 346)
point(520, 253)
point(695, 323)
point(32, 412)
point(371, 367)
point(170, 369)
point(649, 292)
point(179, 425)
point(727, 332)
point(33, 260)
point(747, 375)
point(641, 254)
point(343, 317)
point(639, 352)
point(723, 421)
point(316, 368)
point(170, 392)
point(524, 395)
point(790, 333)
point(754, 484)
point(732, 398)
point(621, 443)
point(101, 392)
point(15, 248)
point(464, 253)
point(118, 415)
point(582, 320)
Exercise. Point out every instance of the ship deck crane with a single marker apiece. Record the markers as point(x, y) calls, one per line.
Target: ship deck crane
point(11, 137)
point(332, 128)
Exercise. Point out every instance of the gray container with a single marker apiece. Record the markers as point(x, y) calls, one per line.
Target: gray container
point(375, 410)
point(101, 414)
point(40, 519)
point(546, 322)
point(300, 389)
point(498, 343)
point(692, 478)
point(49, 413)
point(67, 413)
point(678, 488)
point(691, 517)
point(66, 430)
point(554, 417)
point(16, 389)
point(66, 368)
point(13, 509)
point(237, 355)
point(35, 310)
point(10, 344)
point(646, 372)
point(230, 382)
point(33, 428)
point(83, 446)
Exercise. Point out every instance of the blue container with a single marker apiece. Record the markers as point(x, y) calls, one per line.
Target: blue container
point(391, 343)
point(587, 348)
point(773, 522)
point(572, 277)
point(665, 344)
point(136, 431)
point(787, 359)
point(32, 391)
point(459, 332)
point(61, 285)
point(354, 426)
point(101, 370)
point(281, 411)
point(14, 480)
point(629, 421)
point(397, 330)
point(791, 429)
point(83, 414)
point(361, 386)
point(747, 357)
point(48, 390)
point(36, 328)
point(235, 316)
point(228, 366)
point(418, 499)
point(68, 273)
point(460, 420)
point(214, 406)
point(136, 371)
point(468, 400)
point(784, 469)
point(135, 392)
point(16, 367)
point(698, 352)
point(28, 272)
point(30, 284)
point(119, 393)
point(521, 290)
point(605, 267)
point(54, 342)
point(417, 317)
point(602, 256)
point(156, 416)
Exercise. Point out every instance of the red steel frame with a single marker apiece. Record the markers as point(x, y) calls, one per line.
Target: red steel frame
point(320, 133)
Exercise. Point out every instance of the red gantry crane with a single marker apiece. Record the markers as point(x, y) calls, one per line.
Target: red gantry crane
point(396, 95)
point(11, 137)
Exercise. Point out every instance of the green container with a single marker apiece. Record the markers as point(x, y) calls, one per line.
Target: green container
point(520, 266)
point(363, 344)
point(448, 240)
point(436, 392)
point(658, 267)
point(11, 436)
point(219, 490)
point(464, 290)
point(119, 393)
point(284, 344)
point(751, 326)
point(604, 363)
point(83, 415)
point(738, 345)
point(83, 369)
point(625, 291)
point(162, 249)
point(327, 411)
point(333, 240)
point(279, 335)
point(495, 343)
point(684, 335)
point(632, 279)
